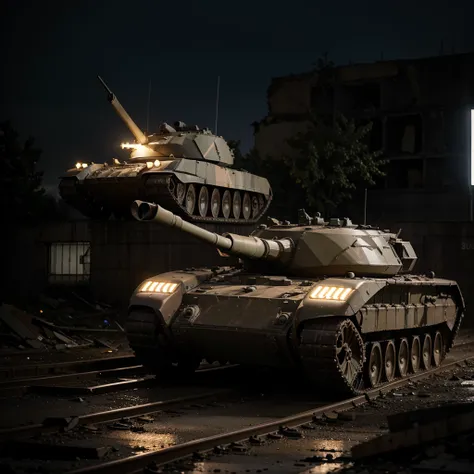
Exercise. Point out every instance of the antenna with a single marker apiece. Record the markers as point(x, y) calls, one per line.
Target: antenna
point(148, 108)
point(217, 104)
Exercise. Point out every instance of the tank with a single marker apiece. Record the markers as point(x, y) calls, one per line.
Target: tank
point(185, 168)
point(335, 300)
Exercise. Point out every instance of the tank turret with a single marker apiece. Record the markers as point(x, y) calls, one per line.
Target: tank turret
point(310, 248)
point(185, 167)
point(333, 300)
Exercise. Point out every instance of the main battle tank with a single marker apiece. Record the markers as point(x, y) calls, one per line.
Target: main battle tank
point(182, 167)
point(338, 301)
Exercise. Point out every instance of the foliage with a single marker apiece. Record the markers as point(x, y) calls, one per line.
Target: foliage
point(23, 196)
point(288, 196)
point(331, 160)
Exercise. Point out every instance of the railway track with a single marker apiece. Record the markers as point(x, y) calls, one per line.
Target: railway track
point(11, 373)
point(274, 429)
point(167, 413)
point(64, 384)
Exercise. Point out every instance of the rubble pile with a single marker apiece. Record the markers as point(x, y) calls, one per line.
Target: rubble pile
point(58, 324)
point(439, 439)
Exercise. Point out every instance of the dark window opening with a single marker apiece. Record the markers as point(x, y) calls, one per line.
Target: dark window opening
point(374, 139)
point(403, 134)
point(361, 97)
point(322, 98)
point(405, 174)
point(69, 262)
point(442, 173)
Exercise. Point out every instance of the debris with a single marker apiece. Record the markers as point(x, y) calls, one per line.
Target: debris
point(21, 324)
point(35, 450)
point(421, 427)
point(290, 432)
point(146, 419)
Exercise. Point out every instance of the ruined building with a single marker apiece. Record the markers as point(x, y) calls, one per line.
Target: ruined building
point(420, 110)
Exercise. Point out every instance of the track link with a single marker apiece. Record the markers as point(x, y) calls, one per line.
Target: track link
point(161, 190)
point(338, 361)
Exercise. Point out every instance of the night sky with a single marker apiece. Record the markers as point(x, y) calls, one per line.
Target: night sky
point(54, 51)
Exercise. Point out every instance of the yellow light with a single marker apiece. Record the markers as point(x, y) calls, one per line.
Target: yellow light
point(149, 164)
point(158, 287)
point(130, 145)
point(337, 293)
point(78, 165)
point(345, 294)
point(332, 293)
point(157, 163)
point(84, 165)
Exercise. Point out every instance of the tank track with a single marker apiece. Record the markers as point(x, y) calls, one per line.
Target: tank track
point(318, 343)
point(149, 345)
point(162, 190)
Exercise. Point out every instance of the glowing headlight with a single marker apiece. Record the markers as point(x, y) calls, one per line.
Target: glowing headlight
point(158, 287)
point(150, 164)
point(80, 165)
point(338, 293)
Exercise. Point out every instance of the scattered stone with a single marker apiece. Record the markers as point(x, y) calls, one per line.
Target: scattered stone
point(290, 432)
point(146, 419)
point(256, 440)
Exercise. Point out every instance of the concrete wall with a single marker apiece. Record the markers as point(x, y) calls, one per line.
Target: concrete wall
point(26, 254)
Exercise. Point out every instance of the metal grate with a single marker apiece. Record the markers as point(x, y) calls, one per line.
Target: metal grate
point(69, 262)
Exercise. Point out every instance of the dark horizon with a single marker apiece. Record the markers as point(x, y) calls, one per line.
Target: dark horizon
point(56, 52)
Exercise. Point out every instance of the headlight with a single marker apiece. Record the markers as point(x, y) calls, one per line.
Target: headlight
point(158, 287)
point(156, 164)
point(338, 293)
point(80, 165)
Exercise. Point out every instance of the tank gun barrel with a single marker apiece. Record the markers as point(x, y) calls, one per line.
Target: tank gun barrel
point(234, 244)
point(140, 137)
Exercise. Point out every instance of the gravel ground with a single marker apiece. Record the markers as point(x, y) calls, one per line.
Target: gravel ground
point(323, 448)
point(326, 446)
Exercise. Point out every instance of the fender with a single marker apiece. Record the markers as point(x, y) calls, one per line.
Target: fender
point(165, 305)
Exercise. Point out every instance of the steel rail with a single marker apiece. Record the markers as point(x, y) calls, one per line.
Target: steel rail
point(55, 424)
point(12, 383)
point(54, 366)
point(137, 463)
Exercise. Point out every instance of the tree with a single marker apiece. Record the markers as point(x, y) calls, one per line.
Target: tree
point(23, 196)
point(331, 160)
point(288, 196)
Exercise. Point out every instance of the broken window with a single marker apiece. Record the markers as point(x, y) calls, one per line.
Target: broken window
point(69, 262)
point(405, 174)
point(403, 134)
point(359, 97)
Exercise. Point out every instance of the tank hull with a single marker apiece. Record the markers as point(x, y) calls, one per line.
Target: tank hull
point(198, 191)
point(274, 322)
